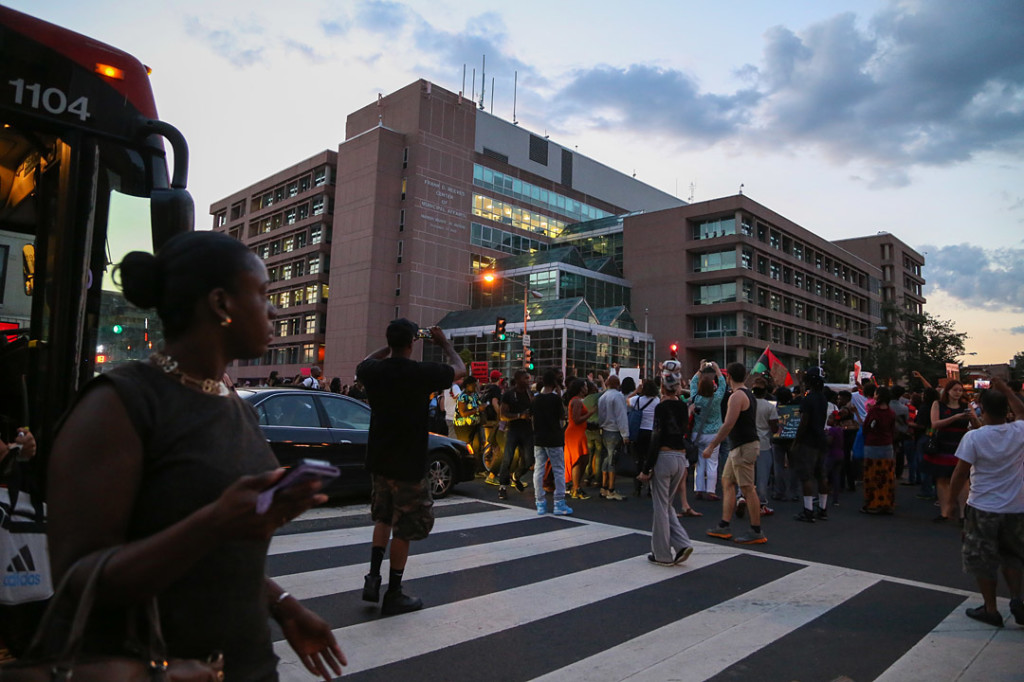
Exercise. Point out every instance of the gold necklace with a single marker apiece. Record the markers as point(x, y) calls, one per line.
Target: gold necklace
point(170, 367)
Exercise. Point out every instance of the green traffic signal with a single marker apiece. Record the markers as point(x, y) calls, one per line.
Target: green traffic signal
point(117, 329)
point(501, 337)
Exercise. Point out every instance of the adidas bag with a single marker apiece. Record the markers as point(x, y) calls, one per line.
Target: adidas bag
point(24, 559)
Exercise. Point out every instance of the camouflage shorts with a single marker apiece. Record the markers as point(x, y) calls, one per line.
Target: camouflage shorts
point(990, 541)
point(405, 506)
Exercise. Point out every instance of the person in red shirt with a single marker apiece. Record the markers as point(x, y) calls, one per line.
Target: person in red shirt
point(879, 463)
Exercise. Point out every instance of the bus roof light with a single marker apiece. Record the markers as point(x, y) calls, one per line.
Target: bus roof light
point(110, 71)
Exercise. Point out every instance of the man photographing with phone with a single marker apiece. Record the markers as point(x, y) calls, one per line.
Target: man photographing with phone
point(401, 507)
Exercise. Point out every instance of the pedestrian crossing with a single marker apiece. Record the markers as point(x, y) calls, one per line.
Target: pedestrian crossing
point(514, 596)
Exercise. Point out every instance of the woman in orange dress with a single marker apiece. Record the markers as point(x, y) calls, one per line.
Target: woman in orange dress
point(576, 438)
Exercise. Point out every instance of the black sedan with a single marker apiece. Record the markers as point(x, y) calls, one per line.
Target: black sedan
point(301, 424)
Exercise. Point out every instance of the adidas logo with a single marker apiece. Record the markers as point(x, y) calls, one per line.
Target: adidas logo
point(21, 570)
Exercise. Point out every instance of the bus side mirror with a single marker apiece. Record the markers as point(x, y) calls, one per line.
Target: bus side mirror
point(172, 212)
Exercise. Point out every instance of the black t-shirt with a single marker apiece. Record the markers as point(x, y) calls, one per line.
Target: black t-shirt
point(399, 391)
point(548, 411)
point(491, 392)
point(813, 411)
point(517, 403)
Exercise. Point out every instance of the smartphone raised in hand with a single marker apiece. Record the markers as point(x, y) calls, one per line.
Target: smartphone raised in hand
point(306, 470)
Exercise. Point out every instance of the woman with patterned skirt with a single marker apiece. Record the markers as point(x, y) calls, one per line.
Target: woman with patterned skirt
point(879, 463)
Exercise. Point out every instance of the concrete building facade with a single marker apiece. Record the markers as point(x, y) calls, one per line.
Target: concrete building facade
point(427, 193)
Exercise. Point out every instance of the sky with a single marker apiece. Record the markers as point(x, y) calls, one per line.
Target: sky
point(847, 117)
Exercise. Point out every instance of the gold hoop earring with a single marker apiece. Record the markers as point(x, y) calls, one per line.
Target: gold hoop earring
point(226, 322)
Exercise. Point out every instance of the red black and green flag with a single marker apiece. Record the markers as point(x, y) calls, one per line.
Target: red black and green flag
point(771, 364)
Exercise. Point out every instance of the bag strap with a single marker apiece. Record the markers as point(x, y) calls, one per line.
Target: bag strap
point(156, 648)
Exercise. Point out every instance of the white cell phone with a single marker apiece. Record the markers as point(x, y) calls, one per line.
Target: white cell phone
point(306, 470)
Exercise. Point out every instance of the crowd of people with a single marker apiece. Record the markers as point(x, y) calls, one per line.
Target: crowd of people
point(155, 472)
point(743, 441)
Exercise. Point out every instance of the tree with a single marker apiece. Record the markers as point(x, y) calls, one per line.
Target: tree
point(1017, 367)
point(915, 342)
point(836, 365)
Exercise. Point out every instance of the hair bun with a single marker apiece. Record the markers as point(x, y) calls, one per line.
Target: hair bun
point(140, 279)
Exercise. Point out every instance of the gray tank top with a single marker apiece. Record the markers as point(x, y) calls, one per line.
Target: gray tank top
point(195, 445)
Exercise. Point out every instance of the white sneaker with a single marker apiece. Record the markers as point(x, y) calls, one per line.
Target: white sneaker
point(612, 495)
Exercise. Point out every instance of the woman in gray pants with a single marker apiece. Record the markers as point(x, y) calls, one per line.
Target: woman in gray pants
point(665, 467)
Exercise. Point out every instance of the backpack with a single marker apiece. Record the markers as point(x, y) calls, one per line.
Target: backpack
point(634, 417)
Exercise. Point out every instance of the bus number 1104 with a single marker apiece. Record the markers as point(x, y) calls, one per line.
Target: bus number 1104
point(53, 100)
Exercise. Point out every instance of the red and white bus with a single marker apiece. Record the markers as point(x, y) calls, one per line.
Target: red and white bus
point(83, 180)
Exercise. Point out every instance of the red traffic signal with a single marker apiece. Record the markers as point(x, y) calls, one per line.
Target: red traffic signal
point(673, 349)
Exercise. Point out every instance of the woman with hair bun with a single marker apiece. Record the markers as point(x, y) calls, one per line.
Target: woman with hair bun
point(160, 459)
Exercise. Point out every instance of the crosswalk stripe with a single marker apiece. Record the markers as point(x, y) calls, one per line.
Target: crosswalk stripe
point(951, 652)
point(284, 544)
point(701, 645)
point(329, 581)
point(709, 640)
point(439, 627)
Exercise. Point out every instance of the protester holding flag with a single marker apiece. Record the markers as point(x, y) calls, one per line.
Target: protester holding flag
point(771, 365)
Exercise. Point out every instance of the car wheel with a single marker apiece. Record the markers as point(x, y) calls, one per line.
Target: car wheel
point(440, 474)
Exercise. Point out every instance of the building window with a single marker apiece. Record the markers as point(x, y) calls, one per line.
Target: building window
point(715, 228)
point(304, 183)
point(293, 189)
point(710, 294)
point(263, 250)
point(400, 245)
point(221, 219)
point(538, 150)
point(320, 177)
point(714, 326)
point(288, 244)
point(314, 265)
point(311, 292)
point(275, 247)
point(516, 216)
point(401, 221)
point(315, 234)
point(303, 211)
point(500, 240)
point(508, 186)
point(405, 187)
point(284, 299)
point(300, 240)
point(398, 284)
point(318, 205)
point(311, 324)
point(405, 158)
point(709, 262)
point(308, 353)
point(746, 259)
point(286, 271)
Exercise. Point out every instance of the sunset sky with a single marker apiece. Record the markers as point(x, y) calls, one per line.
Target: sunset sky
point(846, 117)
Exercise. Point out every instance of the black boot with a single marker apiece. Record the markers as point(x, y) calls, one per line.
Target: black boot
point(396, 602)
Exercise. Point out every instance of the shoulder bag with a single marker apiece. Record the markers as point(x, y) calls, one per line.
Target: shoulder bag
point(635, 417)
point(70, 663)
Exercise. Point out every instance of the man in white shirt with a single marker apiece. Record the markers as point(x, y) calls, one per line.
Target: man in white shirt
point(451, 399)
point(992, 458)
point(611, 415)
point(313, 380)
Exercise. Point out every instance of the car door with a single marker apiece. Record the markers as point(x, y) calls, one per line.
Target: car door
point(292, 425)
point(349, 424)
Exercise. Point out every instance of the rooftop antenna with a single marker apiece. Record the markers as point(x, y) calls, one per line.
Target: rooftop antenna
point(473, 96)
point(693, 189)
point(463, 90)
point(492, 94)
point(483, 80)
point(741, 189)
point(380, 109)
point(515, 91)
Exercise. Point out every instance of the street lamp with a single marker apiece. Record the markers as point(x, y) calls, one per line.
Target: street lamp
point(490, 277)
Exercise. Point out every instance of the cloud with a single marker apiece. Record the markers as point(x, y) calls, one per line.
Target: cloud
point(1017, 330)
point(382, 16)
point(232, 45)
point(642, 97)
point(924, 84)
point(990, 280)
point(307, 51)
point(333, 28)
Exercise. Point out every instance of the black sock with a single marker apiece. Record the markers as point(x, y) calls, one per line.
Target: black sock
point(395, 579)
point(376, 559)
point(756, 529)
point(723, 524)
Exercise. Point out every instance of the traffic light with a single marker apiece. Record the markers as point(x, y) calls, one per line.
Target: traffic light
point(117, 329)
point(528, 358)
point(499, 329)
point(673, 349)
